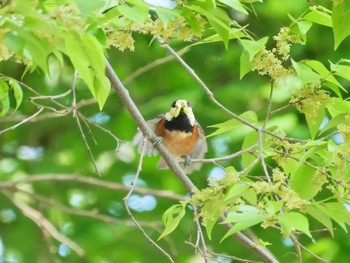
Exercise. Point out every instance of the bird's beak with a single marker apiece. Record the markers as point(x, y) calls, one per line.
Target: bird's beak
point(179, 106)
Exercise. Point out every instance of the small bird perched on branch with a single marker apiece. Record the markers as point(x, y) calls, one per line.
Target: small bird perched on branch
point(180, 133)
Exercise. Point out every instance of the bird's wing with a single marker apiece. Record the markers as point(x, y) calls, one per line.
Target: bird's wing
point(139, 138)
point(199, 149)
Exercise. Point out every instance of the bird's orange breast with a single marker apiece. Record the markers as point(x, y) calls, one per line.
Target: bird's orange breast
point(178, 143)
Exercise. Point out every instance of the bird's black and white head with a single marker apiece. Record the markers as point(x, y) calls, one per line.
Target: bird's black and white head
point(180, 116)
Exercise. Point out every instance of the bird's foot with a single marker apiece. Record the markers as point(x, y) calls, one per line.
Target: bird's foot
point(157, 140)
point(187, 160)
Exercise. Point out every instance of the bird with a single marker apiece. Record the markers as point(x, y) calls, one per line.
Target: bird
point(180, 133)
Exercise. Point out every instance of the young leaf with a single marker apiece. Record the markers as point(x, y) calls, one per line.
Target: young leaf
point(341, 22)
point(319, 17)
point(172, 217)
point(303, 181)
point(4, 98)
point(236, 191)
point(324, 72)
point(233, 123)
point(235, 4)
point(243, 216)
point(337, 212)
point(253, 47)
point(17, 90)
point(214, 209)
point(305, 73)
point(314, 122)
point(321, 217)
point(294, 221)
point(244, 64)
point(135, 13)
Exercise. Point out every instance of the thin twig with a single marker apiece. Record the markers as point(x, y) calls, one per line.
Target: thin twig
point(126, 199)
point(152, 65)
point(93, 214)
point(297, 247)
point(77, 118)
point(268, 113)
point(90, 181)
point(224, 158)
point(22, 121)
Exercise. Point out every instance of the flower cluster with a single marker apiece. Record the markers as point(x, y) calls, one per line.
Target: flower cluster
point(270, 62)
point(310, 99)
point(177, 28)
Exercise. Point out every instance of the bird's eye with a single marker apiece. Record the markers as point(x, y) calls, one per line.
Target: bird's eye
point(189, 104)
point(174, 104)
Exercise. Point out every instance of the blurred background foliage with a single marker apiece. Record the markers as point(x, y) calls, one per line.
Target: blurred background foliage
point(52, 144)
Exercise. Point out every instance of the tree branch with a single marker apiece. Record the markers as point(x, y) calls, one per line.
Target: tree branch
point(172, 163)
point(90, 181)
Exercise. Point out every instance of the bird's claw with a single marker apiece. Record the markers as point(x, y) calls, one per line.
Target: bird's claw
point(157, 140)
point(187, 160)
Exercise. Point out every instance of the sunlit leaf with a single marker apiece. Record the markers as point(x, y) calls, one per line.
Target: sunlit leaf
point(321, 217)
point(292, 221)
point(4, 98)
point(243, 217)
point(17, 91)
point(305, 73)
point(172, 217)
point(319, 17)
point(253, 47)
point(235, 4)
point(337, 212)
point(341, 22)
point(304, 181)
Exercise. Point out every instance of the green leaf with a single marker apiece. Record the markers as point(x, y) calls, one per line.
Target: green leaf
point(249, 140)
point(214, 209)
point(305, 73)
point(273, 207)
point(319, 17)
point(233, 123)
point(236, 191)
point(172, 217)
point(4, 98)
point(321, 217)
point(334, 122)
point(253, 47)
point(217, 18)
point(304, 27)
point(135, 13)
point(304, 182)
point(88, 8)
point(87, 57)
point(234, 33)
point(294, 221)
point(341, 71)
point(337, 212)
point(243, 216)
point(314, 122)
point(235, 4)
point(251, 196)
point(324, 72)
point(18, 92)
point(341, 22)
point(245, 65)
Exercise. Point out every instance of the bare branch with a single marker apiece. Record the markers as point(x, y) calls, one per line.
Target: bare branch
point(152, 65)
point(22, 121)
point(126, 199)
point(44, 224)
